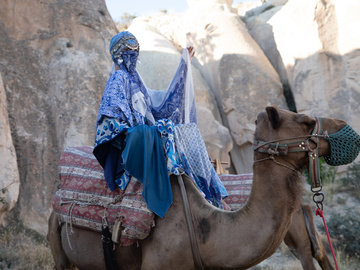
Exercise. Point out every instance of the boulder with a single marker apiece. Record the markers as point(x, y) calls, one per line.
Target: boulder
point(320, 60)
point(162, 57)
point(9, 176)
point(236, 70)
point(230, 62)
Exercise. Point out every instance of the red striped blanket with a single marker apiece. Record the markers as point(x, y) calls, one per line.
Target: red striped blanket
point(84, 199)
point(238, 187)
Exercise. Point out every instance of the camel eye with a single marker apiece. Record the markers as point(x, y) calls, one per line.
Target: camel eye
point(256, 122)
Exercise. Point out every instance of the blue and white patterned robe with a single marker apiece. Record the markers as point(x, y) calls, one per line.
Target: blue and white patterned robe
point(127, 102)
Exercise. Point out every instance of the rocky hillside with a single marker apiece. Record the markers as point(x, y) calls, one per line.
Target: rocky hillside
point(54, 64)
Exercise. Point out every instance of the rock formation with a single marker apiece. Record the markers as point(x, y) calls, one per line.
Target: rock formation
point(233, 66)
point(315, 53)
point(54, 65)
point(9, 177)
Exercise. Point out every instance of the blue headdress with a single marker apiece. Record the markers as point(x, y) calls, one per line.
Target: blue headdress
point(122, 42)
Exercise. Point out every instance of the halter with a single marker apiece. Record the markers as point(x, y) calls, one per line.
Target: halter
point(275, 148)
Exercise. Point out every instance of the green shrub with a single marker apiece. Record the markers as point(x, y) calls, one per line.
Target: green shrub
point(2, 199)
point(268, 8)
point(352, 178)
point(345, 228)
point(23, 248)
point(125, 21)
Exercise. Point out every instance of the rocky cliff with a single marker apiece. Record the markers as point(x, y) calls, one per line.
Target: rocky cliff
point(54, 64)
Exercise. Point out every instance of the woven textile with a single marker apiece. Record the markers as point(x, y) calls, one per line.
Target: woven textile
point(238, 187)
point(345, 146)
point(84, 198)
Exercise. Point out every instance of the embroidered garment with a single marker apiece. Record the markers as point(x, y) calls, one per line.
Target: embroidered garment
point(127, 103)
point(126, 96)
point(186, 152)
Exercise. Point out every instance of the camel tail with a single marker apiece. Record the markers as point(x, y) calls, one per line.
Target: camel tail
point(54, 238)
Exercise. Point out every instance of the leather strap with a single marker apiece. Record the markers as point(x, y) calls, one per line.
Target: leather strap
point(194, 244)
point(275, 148)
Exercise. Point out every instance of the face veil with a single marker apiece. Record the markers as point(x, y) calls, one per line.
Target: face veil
point(121, 44)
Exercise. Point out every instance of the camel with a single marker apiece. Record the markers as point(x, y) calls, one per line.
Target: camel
point(226, 239)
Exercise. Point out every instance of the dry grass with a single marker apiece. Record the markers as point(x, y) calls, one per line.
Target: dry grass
point(22, 248)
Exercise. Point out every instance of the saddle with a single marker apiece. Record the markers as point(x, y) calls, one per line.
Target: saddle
point(84, 199)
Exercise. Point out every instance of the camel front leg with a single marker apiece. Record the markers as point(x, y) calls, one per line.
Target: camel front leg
point(318, 249)
point(298, 241)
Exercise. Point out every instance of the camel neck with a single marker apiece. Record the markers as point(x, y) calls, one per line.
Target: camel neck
point(265, 218)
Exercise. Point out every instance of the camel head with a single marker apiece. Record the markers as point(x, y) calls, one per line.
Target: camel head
point(297, 136)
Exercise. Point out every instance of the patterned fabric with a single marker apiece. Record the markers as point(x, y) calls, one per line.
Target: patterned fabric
point(186, 152)
point(238, 188)
point(166, 128)
point(108, 129)
point(120, 42)
point(127, 98)
point(84, 198)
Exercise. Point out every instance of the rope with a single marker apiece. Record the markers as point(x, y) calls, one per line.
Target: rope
point(69, 220)
point(277, 162)
point(320, 213)
point(93, 201)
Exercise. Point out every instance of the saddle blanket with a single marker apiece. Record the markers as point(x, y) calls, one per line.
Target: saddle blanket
point(84, 199)
point(238, 186)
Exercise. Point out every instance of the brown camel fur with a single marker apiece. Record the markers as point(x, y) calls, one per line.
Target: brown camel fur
point(226, 239)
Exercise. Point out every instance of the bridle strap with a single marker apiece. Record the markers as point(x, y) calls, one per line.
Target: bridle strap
point(273, 148)
point(314, 164)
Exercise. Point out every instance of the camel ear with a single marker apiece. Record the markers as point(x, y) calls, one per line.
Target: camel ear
point(307, 121)
point(273, 116)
